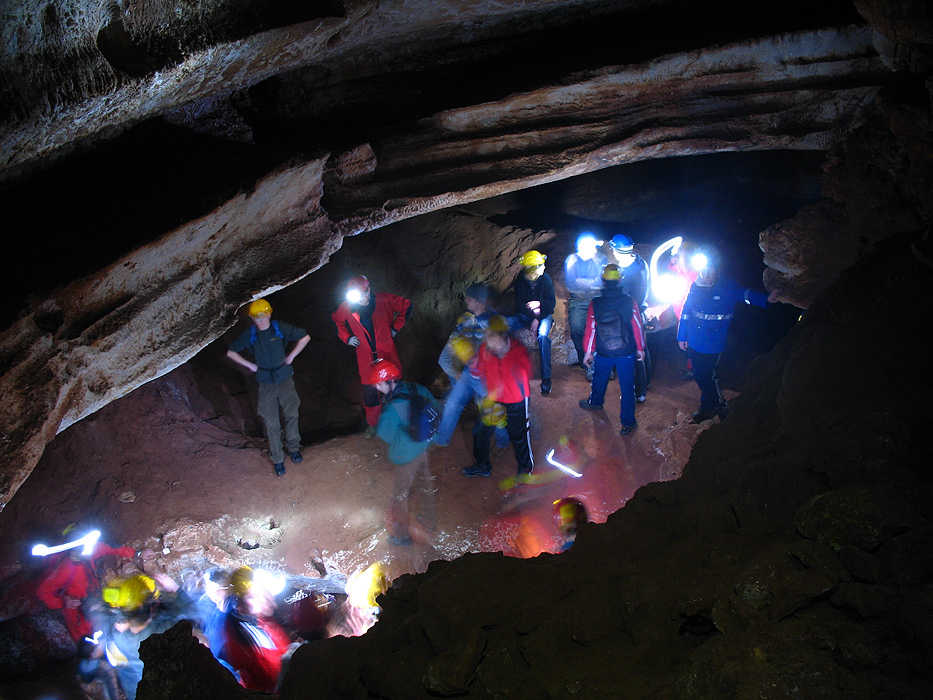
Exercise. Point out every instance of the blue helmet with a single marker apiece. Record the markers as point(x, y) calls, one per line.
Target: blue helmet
point(622, 244)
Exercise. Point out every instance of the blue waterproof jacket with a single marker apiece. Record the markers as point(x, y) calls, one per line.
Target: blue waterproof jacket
point(708, 313)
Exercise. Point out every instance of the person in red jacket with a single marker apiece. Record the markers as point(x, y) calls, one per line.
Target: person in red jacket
point(71, 581)
point(504, 366)
point(255, 641)
point(368, 321)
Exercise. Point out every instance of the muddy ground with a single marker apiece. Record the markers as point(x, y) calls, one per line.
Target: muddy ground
point(156, 469)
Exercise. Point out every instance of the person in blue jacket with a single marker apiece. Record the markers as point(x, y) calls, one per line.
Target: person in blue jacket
point(704, 327)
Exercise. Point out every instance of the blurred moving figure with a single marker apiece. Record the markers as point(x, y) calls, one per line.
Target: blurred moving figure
point(569, 516)
point(140, 606)
point(406, 405)
point(255, 641)
point(369, 321)
point(213, 606)
point(504, 367)
point(72, 579)
point(459, 351)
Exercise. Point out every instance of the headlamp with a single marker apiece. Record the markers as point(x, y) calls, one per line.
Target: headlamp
point(354, 296)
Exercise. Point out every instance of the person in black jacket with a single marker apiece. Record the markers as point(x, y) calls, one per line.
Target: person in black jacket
point(535, 302)
point(614, 339)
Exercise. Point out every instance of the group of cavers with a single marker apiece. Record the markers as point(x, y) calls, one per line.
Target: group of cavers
point(231, 613)
point(486, 363)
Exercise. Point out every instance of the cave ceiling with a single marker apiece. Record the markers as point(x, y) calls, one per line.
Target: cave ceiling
point(186, 157)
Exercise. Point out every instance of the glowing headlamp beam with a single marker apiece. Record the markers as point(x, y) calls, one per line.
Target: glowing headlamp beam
point(567, 470)
point(88, 542)
point(354, 296)
point(672, 245)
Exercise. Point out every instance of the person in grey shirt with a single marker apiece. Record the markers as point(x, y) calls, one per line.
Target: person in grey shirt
point(267, 341)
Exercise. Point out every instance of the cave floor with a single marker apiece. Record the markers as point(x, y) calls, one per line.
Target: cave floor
point(148, 471)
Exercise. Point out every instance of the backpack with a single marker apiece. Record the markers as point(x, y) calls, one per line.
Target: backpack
point(254, 333)
point(613, 328)
point(424, 418)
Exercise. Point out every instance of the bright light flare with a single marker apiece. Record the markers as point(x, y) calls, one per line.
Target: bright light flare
point(354, 296)
point(669, 288)
point(699, 262)
point(87, 543)
point(95, 639)
point(273, 583)
point(567, 470)
point(672, 245)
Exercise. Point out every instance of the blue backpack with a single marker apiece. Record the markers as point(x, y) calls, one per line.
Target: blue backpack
point(424, 418)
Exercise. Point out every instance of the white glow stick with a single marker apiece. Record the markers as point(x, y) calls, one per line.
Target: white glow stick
point(95, 639)
point(567, 470)
point(88, 542)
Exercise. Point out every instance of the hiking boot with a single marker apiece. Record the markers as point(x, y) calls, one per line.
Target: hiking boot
point(703, 414)
point(628, 429)
point(476, 470)
point(370, 432)
point(279, 468)
point(545, 387)
point(585, 403)
point(641, 399)
point(296, 456)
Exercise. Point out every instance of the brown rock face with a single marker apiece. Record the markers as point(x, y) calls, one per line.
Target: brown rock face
point(151, 310)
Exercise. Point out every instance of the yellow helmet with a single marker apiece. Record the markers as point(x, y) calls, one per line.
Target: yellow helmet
point(260, 307)
point(612, 272)
point(463, 349)
point(498, 324)
point(241, 580)
point(129, 593)
point(532, 259)
point(364, 586)
point(492, 412)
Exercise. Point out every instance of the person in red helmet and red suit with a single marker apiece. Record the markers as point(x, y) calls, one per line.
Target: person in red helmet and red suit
point(368, 321)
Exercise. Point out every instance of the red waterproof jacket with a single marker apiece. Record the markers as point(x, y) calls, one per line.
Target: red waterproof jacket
point(390, 314)
point(255, 647)
point(76, 580)
point(507, 378)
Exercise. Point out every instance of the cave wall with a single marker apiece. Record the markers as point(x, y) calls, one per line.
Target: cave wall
point(792, 557)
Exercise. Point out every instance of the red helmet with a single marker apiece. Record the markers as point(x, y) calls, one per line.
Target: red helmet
point(359, 282)
point(384, 371)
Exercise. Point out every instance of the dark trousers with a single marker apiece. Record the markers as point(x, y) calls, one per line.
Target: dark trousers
point(516, 425)
point(625, 371)
point(704, 373)
point(272, 397)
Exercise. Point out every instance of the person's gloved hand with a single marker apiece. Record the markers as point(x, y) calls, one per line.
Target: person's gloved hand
point(353, 342)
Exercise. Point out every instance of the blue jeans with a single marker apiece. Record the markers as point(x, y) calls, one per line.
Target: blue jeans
point(625, 370)
point(544, 345)
point(461, 393)
point(576, 319)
